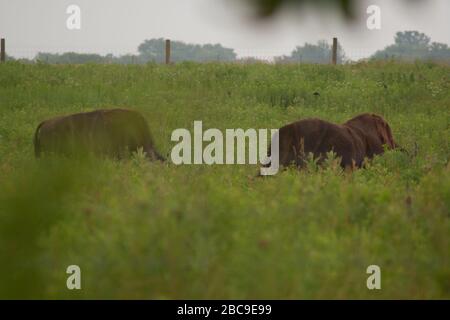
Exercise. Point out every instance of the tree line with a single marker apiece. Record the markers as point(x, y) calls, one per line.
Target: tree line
point(413, 45)
point(152, 50)
point(407, 46)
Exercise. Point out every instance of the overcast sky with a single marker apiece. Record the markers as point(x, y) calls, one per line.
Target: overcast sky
point(118, 26)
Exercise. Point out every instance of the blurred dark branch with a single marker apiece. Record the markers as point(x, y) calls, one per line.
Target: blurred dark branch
point(267, 8)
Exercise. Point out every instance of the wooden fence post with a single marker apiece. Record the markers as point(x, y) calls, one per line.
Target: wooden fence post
point(167, 51)
point(2, 50)
point(334, 54)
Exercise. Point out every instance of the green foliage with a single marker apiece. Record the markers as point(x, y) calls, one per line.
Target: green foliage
point(313, 53)
point(414, 45)
point(153, 230)
point(154, 50)
point(69, 57)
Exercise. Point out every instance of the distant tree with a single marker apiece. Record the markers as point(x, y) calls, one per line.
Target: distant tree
point(439, 51)
point(313, 53)
point(69, 58)
point(413, 45)
point(9, 58)
point(412, 38)
point(149, 50)
point(154, 50)
point(250, 60)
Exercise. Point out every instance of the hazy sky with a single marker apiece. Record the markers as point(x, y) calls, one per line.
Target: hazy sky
point(118, 26)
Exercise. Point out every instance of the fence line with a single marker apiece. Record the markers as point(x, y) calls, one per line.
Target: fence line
point(243, 55)
point(334, 51)
point(167, 51)
point(280, 55)
point(2, 50)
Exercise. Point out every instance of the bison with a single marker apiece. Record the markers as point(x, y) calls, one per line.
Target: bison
point(105, 132)
point(360, 137)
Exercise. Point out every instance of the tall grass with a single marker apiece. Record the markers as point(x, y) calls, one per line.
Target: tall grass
point(152, 230)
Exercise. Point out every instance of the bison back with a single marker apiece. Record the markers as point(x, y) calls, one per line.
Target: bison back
point(112, 132)
point(318, 137)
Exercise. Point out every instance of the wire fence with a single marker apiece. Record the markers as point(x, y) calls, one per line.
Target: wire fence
point(242, 55)
point(78, 55)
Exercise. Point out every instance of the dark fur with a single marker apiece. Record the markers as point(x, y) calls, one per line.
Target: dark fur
point(109, 132)
point(361, 137)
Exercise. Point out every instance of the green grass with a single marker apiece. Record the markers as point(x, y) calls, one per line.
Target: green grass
point(160, 231)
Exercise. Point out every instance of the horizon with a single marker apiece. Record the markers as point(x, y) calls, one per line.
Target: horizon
point(43, 26)
point(269, 58)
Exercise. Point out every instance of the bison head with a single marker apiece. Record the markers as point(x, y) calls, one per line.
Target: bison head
point(375, 127)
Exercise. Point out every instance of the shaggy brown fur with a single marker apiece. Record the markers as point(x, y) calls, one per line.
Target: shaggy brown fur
point(109, 132)
point(360, 137)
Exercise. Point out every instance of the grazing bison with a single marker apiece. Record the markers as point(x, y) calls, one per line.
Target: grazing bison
point(360, 137)
point(108, 132)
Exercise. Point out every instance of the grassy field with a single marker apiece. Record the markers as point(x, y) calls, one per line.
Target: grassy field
point(160, 231)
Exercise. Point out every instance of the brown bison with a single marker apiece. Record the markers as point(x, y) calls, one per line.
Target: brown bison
point(361, 137)
point(108, 132)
